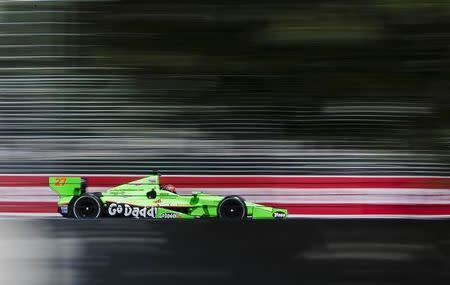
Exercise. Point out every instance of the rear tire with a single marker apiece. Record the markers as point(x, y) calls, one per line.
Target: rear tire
point(232, 208)
point(87, 206)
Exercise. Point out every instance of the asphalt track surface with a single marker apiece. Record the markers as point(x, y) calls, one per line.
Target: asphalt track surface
point(369, 251)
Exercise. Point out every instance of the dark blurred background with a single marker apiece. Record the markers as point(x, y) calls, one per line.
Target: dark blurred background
point(281, 87)
point(310, 252)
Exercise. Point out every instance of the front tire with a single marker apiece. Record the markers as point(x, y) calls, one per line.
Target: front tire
point(87, 206)
point(232, 207)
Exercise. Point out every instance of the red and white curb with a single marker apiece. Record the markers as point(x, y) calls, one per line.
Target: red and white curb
point(302, 196)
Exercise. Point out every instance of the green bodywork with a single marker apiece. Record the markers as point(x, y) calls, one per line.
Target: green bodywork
point(147, 193)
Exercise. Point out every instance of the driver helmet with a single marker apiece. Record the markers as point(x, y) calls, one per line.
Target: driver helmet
point(169, 187)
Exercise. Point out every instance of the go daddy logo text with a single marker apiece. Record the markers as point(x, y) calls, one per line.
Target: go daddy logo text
point(126, 210)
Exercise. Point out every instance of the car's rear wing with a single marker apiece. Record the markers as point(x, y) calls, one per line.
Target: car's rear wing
point(67, 186)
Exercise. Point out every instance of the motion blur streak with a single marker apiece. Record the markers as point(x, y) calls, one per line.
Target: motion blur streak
point(31, 255)
point(265, 252)
point(257, 87)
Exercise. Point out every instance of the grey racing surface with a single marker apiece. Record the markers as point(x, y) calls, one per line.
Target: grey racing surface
point(110, 251)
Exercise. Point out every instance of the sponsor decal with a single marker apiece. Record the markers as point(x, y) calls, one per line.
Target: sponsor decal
point(279, 215)
point(64, 209)
point(168, 216)
point(125, 210)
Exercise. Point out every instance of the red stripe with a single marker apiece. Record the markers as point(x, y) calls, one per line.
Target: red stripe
point(251, 181)
point(28, 207)
point(298, 209)
point(308, 182)
point(42, 181)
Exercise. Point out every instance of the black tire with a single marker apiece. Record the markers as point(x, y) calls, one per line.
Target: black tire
point(87, 206)
point(232, 208)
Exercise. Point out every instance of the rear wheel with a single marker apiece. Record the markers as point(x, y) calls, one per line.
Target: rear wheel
point(87, 206)
point(232, 207)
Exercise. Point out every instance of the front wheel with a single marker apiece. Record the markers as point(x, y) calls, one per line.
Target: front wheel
point(87, 206)
point(232, 207)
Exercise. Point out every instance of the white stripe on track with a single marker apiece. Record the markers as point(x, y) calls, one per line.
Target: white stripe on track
point(38, 215)
point(274, 195)
point(25, 216)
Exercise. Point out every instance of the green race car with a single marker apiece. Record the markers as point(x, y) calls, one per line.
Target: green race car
point(146, 198)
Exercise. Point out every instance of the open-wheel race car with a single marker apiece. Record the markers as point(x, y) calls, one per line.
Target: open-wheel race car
point(146, 198)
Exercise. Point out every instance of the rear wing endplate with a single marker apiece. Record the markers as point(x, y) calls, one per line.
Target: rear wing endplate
point(67, 186)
